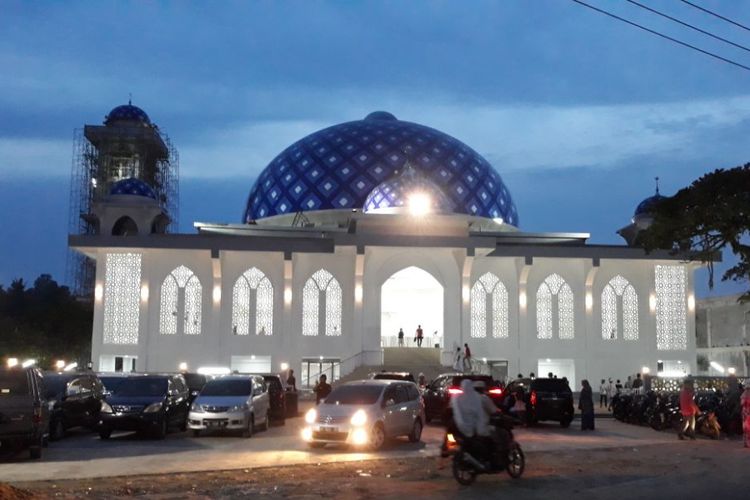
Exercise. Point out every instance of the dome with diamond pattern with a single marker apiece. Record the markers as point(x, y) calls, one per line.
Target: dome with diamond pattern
point(133, 187)
point(339, 166)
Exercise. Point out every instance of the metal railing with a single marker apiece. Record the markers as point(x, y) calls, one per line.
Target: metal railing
point(427, 341)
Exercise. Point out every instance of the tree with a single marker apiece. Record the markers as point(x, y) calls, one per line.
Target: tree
point(701, 220)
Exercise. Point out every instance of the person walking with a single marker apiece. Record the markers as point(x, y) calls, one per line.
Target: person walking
point(467, 358)
point(322, 389)
point(638, 383)
point(291, 382)
point(458, 362)
point(603, 395)
point(610, 393)
point(420, 335)
point(745, 405)
point(586, 405)
point(401, 337)
point(688, 408)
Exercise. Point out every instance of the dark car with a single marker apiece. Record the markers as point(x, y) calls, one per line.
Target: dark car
point(24, 413)
point(277, 394)
point(403, 376)
point(195, 382)
point(76, 399)
point(148, 404)
point(546, 399)
point(437, 395)
point(110, 380)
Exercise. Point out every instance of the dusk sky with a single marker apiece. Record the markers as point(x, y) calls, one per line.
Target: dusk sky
point(578, 112)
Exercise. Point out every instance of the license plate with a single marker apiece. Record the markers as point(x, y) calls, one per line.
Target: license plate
point(213, 423)
point(329, 429)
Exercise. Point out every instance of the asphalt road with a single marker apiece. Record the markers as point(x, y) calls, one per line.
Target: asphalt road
point(84, 455)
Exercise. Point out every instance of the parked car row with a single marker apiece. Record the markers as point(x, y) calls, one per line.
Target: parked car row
point(36, 406)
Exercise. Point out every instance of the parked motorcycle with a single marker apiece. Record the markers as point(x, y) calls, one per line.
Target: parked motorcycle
point(468, 463)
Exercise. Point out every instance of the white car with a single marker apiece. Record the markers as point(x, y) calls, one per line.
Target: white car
point(366, 413)
point(233, 402)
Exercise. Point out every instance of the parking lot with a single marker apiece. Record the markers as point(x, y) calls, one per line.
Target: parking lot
point(83, 455)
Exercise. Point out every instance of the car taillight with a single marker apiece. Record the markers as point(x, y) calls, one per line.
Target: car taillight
point(496, 391)
point(533, 398)
point(450, 438)
point(453, 391)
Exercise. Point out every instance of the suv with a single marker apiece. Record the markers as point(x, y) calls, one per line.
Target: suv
point(384, 375)
point(75, 400)
point(366, 413)
point(145, 403)
point(437, 395)
point(277, 396)
point(546, 399)
point(232, 402)
point(24, 413)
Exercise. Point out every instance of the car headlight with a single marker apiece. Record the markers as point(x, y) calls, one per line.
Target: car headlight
point(359, 418)
point(196, 408)
point(241, 407)
point(106, 408)
point(311, 416)
point(153, 408)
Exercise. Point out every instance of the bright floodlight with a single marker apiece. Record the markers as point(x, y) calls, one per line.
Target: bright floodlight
point(60, 364)
point(731, 370)
point(71, 367)
point(12, 362)
point(284, 366)
point(716, 366)
point(28, 362)
point(183, 367)
point(645, 370)
point(214, 370)
point(419, 204)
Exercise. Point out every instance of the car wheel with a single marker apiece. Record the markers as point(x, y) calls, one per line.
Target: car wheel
point(516, 462)
point(247, 432)
point(463, 472)
point(377, 437)
point(161, 433)
point(196, 433)
point(416, 431)
point(56, 430)
point(35, 452)
point(105, 433)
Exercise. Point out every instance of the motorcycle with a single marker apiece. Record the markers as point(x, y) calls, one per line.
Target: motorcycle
point(468, 465)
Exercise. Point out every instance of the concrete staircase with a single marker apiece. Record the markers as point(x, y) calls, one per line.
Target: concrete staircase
point(403, 359)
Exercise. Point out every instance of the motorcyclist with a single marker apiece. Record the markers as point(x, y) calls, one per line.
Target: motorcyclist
point(471, 414)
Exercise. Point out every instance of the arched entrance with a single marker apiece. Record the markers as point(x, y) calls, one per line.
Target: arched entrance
point(409, 298)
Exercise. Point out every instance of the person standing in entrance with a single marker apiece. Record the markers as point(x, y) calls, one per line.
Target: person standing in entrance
point(322, 389)
point(401, 337)
point(603, 395)
point(291, 382)
point(467, 358)
point(420, 335)
point(586, 405)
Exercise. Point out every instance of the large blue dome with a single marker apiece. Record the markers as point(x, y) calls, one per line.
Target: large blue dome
point(127, 113)
point(337, 167)
point(647, 206)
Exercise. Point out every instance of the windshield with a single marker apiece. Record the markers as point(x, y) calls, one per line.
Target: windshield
point(13, 383)
point(354, 395)
point(550, 385)
point(55, 384)
point(227, 388)
point(195, 381)
point(137, 386)
point(394, 376)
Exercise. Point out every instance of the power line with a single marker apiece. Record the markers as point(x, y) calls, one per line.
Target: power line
point(688, 25)
point(662, 35)
point(716, 15)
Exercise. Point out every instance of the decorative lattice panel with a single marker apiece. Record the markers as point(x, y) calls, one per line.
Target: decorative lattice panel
point(122, 288)
point(619, 300)
point(671, 307)
point(489, 314)
point(181, 293)
point(320, 283)
point(554, 288)
point(242, 309)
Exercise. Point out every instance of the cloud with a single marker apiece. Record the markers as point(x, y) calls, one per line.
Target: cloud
point(34, 157)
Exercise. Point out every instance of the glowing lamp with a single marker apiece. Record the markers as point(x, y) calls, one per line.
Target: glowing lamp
point(731, 370)
point(98, 292)
point(217, 294)
point(691, 302)
point(12, 362)
point(419, 204)
point(311, 416)
point(360, 437)
point(307, 434)
point(284, 366)
point(183, 367)
point(645, 370)
point(589, 301)
point(358, 293)
point(28, 363)
point(60, 364)
point(144, 293)
point(287, 295)
point(522, 300)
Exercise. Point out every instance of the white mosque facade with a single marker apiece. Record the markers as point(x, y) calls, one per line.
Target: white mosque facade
point(361, 229)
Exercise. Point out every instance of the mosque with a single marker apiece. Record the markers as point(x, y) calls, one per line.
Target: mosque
point(361, 229)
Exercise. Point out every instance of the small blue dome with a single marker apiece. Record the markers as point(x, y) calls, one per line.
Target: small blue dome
point(646, 206)
point(339, 166)
point(133, 187)
point(127, 113)
point(394, 192)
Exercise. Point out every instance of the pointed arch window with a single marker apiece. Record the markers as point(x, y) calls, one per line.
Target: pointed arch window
point(252, 304)
point(619, 310)
point(554, 309)
point(181, 303)
point(321, 305)
point(489, 307)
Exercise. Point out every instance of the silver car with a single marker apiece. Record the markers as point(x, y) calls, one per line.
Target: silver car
point(366, 413)
point(234, 402)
